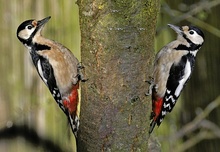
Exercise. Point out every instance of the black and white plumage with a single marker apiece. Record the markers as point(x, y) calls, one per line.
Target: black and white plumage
point(59, 69)
point(173, 66)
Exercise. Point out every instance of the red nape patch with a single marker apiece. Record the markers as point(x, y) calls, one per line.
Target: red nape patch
point(157, 106)
point(71, 105)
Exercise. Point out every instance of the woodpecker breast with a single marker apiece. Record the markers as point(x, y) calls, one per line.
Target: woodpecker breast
point(163, 62)
point(63, 62)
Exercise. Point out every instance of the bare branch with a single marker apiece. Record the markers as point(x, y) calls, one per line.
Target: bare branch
point(198, 122)
point(193, 125)
point(194, 140)
point(203, 5)
point(30, 135)
point(200, 6)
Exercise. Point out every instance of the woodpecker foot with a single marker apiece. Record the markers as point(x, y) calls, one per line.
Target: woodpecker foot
point(152, 85)
point(81, 71)
point(152, 115)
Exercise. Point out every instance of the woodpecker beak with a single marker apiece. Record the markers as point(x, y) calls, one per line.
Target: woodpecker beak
point(43, 21)
point(177, 29)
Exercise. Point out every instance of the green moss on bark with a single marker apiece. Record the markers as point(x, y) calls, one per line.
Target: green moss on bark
point(117, 49)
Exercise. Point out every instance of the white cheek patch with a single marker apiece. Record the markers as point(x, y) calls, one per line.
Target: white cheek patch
point(184, 79)
point(196, 38)
point(41, 71)
point(26, 33)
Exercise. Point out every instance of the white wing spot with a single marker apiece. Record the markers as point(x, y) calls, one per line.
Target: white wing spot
point(168, 91)
point(58, 95)
point(172, 99)
point(60, 101)
point(164, 113)
point(41, 71)
point(166, 105)
point(187, 73)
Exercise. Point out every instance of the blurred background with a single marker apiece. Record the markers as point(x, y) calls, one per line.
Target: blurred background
point(194, 123)
point(27, 106)
point(25, 101)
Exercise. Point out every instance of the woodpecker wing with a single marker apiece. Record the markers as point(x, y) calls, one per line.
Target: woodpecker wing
point(45, 71)
point(178, 77)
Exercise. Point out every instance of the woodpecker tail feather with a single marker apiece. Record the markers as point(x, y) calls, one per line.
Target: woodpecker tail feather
point(74, 123)
point(71, 105)
point(152, 125)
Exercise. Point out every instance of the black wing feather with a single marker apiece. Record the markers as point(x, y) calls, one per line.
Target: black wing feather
point(48, 74)
point(176, 74)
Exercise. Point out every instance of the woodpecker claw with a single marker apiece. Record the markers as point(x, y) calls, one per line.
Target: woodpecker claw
point(80, 66)
point(152, 115)
point(152, 85)
point(80, 72)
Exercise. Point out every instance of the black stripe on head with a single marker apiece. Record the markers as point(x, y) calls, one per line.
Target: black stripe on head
point(21, 27)
point(193, 46)
point(28, 41)
point(197, 31)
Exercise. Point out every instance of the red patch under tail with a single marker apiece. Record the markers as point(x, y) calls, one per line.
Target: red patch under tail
point(71, 105)
point(157, 104)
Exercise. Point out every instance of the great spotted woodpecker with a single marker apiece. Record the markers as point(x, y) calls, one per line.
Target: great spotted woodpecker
point(59, 69)
point(173, 66)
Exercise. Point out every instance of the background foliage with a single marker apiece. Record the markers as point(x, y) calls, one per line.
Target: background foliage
point(24, 99)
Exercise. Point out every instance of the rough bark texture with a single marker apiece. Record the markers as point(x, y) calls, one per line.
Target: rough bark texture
point(117, 52)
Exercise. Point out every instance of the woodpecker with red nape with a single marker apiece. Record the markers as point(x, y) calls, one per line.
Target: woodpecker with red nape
point(173, 66)
point(59, 69)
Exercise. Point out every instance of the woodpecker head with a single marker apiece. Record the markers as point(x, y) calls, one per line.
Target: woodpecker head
point(189, 33)
point(30, 29)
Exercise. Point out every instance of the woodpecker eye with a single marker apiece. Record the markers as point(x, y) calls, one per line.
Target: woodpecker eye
point(29, 27)
point(191, 32)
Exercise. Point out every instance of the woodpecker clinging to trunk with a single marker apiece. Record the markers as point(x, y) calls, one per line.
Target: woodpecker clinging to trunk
point(173, 66)
point(56, 65)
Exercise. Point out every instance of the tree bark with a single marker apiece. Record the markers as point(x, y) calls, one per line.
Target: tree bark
point(117, 40)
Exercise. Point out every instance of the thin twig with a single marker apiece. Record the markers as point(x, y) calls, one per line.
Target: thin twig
point(179, 16)
point(193, 125)
point(204, 5)
point(194, 140)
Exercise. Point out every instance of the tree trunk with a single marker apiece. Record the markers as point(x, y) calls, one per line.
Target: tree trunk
point(117, 52)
